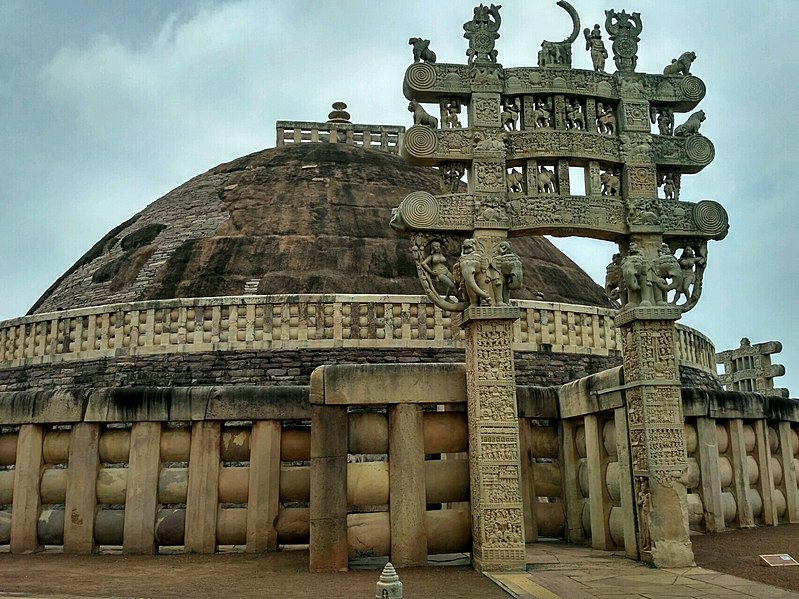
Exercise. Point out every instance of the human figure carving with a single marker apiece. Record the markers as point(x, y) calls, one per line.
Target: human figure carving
point(671, 185)
point(542, 113)
point(681, 65)
point(574, 114)
point(436, 266)
point(510, 113)
point(451, 173)
point(611, 184)
point(691, 126)
point(515, 181)
point(546, 180)
point(420, 116)
point(605, 119)
point(594, 44)
point(689, 261)
point(451, 109)
point(664, 117)
point(421, 50)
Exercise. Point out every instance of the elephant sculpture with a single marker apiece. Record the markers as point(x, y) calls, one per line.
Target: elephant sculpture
point(504, 273)
point(470, 273)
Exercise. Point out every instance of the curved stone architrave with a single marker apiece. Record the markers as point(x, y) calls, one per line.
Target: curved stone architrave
point(562, 216)
point(535, 144)
point(604, 217)
point(691, 154)
point(427, 147)
point(426, 82)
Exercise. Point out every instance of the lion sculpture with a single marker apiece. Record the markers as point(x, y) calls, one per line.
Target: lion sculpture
point(681, 65)
point(421, 50)
point(691, 126)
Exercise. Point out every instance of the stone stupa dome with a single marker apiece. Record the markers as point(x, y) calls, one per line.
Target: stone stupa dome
point(299, 218)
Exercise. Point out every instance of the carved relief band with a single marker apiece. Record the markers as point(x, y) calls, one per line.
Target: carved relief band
point(496, 499)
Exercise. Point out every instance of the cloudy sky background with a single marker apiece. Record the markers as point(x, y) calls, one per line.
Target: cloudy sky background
point(106, 106)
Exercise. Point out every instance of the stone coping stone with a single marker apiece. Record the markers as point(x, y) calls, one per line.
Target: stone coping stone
point(591, 394)
point(39, 407)
point(164, 404)
point(383, 384)
point(707, 403)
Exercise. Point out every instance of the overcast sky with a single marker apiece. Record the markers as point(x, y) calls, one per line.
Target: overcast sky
point(107, 105)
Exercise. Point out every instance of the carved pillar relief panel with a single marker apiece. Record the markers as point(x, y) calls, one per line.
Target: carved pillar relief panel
point(484, 110)
point(657, 438)
point(560, 112)
point(528, 108)
point(590, 114)
point(564, 187)
point(640, 181)
point(634, 116)
point(593, 180)
point(496, 500)
point(531, 172)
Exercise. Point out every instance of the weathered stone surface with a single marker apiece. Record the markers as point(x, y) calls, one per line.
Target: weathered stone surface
point(230, 227)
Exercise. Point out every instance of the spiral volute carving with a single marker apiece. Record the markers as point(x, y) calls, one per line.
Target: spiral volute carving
point(420, 141)
point(419, 210)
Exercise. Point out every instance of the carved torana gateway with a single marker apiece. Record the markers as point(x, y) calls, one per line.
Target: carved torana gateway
point(527, 139)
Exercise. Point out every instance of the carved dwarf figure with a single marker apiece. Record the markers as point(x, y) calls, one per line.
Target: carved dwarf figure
point(594, 44)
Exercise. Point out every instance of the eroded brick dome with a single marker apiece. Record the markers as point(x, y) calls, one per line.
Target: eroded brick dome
point(302, 218)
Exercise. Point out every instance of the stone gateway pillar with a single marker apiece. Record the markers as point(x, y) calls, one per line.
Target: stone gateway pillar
point(496, 500)
point(657, 440)
point(530, 131)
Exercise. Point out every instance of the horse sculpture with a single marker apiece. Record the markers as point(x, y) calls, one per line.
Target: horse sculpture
point(420, 115)
point(510, 114)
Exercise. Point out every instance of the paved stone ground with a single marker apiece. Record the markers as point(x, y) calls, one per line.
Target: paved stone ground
point(554, 570)
point(558, 570)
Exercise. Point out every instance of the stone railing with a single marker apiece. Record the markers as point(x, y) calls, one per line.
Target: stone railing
point(303, 321)
point(386, 138)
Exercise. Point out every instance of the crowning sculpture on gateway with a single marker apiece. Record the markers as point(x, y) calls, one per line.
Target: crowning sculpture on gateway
point(529, 130)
